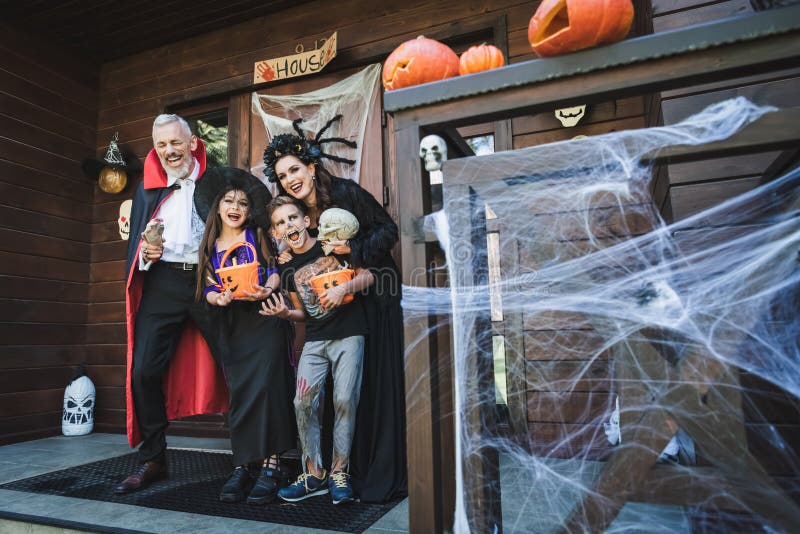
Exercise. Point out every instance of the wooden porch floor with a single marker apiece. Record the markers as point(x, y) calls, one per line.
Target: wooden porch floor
point(22, 512)
point(527, 503)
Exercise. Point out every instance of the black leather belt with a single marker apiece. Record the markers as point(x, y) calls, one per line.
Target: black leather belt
point(180, 266)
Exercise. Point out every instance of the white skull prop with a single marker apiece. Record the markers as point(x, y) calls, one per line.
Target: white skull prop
point(433, 150)
point(336, 224)
point(124, 220)
point(78, 415)
point(570, 116)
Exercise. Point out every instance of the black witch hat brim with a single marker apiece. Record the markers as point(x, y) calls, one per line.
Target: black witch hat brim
point(217, 179)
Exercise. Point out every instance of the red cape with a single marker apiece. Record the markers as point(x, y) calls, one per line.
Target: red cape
point(194, 384)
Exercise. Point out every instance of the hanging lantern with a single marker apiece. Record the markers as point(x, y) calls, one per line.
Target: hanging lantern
point(77, 419)
point(112, 180)
point(113, 177)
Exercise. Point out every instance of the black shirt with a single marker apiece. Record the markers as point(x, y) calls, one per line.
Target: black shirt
point(321, 324)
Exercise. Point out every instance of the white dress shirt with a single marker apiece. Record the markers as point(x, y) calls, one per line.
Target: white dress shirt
point(183, 227)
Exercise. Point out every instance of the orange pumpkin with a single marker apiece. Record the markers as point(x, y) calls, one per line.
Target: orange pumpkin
point(419, 60)
point(480, 58)
point(563, 26)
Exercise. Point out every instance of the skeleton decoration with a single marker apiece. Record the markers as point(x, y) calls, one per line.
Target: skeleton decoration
point(79, 398)
point(336, 224)
point(124, 220)
point(433, 150)
point(612, 429)
point(569, 117)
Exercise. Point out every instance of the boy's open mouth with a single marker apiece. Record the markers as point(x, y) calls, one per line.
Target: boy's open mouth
point(293, 236)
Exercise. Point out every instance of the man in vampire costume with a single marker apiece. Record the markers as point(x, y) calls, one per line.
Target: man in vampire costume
point(171, 372)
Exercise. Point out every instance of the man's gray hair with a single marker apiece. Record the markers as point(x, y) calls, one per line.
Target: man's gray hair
point(166, 118)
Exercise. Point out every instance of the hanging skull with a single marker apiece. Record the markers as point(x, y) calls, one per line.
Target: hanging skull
point(124, 220)
point(79, 398)
point(433, 150)
point(570, 116)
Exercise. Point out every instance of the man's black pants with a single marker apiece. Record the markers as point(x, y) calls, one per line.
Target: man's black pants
point(167, 301)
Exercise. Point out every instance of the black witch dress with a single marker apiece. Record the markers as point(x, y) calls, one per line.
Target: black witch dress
point(378, 455)
point(258, 373)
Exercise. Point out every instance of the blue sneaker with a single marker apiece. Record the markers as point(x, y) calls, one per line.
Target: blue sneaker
point(306, 485)
point(341, 490)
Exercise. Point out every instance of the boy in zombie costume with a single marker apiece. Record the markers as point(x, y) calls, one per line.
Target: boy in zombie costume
point(334, 340)
point(171, 372)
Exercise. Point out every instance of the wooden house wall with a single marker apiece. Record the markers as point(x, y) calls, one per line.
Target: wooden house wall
point(48, 117)
point(696, 186)
point(565, 423)
point(219, 64)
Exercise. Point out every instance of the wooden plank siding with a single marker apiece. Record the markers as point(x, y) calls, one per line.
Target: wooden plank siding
point(48, 118)
point(73, 267)
point(218, 64)
point(703, 184)
point(133, 90)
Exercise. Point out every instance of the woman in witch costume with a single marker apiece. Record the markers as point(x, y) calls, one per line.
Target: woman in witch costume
point(256, 362)
point(378, 457)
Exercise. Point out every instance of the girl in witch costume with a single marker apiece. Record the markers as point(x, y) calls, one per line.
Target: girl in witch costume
point(378, 457)
point(256, 359)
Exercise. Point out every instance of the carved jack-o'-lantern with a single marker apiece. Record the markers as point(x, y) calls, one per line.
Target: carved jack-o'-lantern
point(239, 278)
point(563, 26)
point(419, 60)
point(323, 282)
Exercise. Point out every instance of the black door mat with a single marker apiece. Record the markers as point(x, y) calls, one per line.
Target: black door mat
point(195, 480)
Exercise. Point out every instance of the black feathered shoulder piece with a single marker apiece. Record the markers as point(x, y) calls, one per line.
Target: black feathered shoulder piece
point(377, 232)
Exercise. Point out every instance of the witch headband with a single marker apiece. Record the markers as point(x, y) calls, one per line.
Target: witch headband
point(306, 150)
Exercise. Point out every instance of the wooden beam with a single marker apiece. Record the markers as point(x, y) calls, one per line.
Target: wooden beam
point(424, 481)
point(694, 41)
point(771, 132)
point(661, 73)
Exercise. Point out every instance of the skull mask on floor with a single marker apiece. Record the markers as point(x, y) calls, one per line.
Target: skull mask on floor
point(78, 415)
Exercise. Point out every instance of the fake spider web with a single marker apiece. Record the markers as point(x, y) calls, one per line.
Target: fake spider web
point(351, 98)
point(603, 304)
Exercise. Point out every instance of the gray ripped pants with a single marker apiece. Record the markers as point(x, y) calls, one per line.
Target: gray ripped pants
point(345, 357)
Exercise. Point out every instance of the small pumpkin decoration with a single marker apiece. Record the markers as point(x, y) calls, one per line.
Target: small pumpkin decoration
point(480, 58)
point(419, 60)
point(563, 26)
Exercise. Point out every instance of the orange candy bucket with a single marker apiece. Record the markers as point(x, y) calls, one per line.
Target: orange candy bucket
point(242, 277)
point(322, 282)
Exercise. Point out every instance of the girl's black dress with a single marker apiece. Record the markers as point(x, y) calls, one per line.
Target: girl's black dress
point(259, 377)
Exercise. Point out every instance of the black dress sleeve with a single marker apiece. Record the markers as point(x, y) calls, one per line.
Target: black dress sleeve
point(377, 232)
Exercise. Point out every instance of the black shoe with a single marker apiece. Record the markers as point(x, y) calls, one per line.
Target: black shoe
point(267, 486)
point(148, 473)
point(235, 489)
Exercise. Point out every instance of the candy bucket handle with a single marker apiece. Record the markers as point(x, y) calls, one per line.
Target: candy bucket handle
point(234, 247)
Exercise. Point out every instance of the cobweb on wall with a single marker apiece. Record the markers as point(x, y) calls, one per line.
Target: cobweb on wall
point(638, 338)
point(350, 97)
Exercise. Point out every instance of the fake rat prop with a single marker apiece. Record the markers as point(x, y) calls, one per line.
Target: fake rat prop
point(154, 233)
